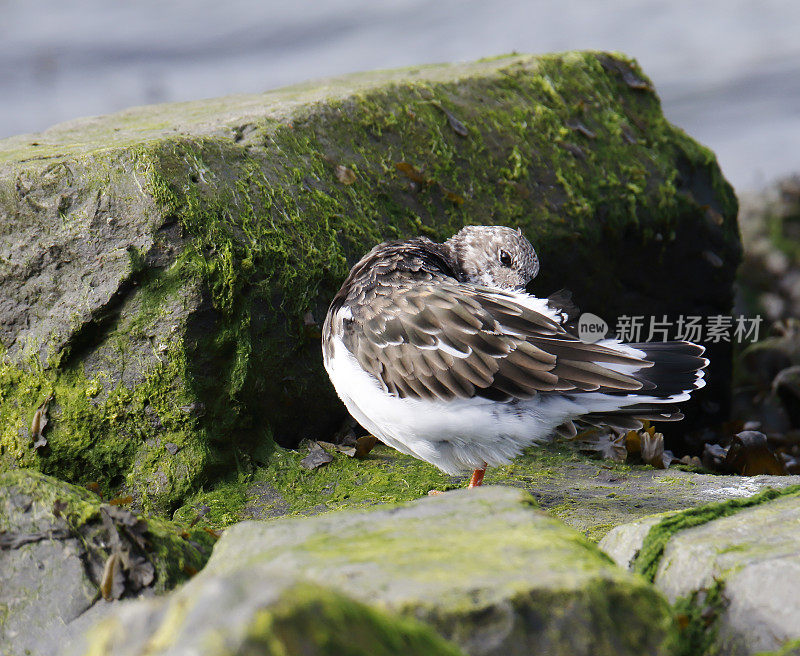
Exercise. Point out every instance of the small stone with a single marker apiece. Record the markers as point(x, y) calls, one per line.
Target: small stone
point(776, 262)
point(692, 461)
point(198, 409)
point(773, 305)
point(713, 456)
point(749, 454)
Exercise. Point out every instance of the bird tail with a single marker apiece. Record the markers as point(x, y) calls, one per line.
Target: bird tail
point(676, 371)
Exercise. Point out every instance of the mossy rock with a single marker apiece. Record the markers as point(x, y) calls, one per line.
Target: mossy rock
point(590, 495)
point(164, 271)
point(731, 569)
point(483, 567)
point(56, 543)
point(278, 617)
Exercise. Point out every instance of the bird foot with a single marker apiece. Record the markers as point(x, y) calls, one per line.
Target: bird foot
point(477, 478)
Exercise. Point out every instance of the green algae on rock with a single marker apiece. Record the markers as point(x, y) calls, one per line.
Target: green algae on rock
point(483, 567)
point(652, 550)
point(270, 617)
point(590, 495)
point(55, 543)
point(731, 569)
point(165, 270)
point(751, 558)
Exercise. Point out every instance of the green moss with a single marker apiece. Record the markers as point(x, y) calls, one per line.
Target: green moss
point(791, 648)
point(695, 632)
point(106, 439)
point(639, 619)
point(311, 620)
point(252, 215)
point(597, 531)
point(220, 507)
point(649, 555)
point(284, 487)
point(305, 619)
point(479, 553)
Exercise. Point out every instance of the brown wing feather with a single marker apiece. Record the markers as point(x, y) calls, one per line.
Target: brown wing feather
point(445, 340)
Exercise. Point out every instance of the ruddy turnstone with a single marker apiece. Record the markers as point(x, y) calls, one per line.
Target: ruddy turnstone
point(437, 350)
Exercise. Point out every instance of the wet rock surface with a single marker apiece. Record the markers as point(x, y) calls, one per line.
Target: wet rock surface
point(64, 554)
point(483, 567)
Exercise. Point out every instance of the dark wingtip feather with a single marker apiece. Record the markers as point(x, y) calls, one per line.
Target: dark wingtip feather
point(675, 367)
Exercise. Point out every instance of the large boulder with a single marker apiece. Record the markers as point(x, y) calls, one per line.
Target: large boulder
point(732, 569)
point(278, 616)
point(65, 554)
point(164, 271)
point(483, 567)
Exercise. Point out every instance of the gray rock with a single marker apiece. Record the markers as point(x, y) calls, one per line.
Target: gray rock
point(748, 564)
point(623, 542)
point(754, 556)
point(256, 611)
point(483, 567)
point(55, 540)
point(45, 591)
point(595, 496)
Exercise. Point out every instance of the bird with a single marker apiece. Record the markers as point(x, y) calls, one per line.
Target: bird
point(438, 351)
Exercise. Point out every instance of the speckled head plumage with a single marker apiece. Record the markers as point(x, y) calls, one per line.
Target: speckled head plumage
point(493, 256)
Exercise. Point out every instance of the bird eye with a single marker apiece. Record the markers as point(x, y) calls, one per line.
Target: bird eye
point(505, 259)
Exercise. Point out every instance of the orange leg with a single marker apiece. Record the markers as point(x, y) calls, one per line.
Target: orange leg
point(477, 478)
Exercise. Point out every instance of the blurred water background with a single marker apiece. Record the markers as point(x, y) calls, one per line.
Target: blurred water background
point(728, 71)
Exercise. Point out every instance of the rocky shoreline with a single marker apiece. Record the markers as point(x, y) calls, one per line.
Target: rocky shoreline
point(176, 473)
point(483, 571)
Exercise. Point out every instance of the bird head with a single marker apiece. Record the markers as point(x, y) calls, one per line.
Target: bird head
point(493, 256)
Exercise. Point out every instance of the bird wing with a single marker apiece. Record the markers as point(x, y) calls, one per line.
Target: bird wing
point(448, 340)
